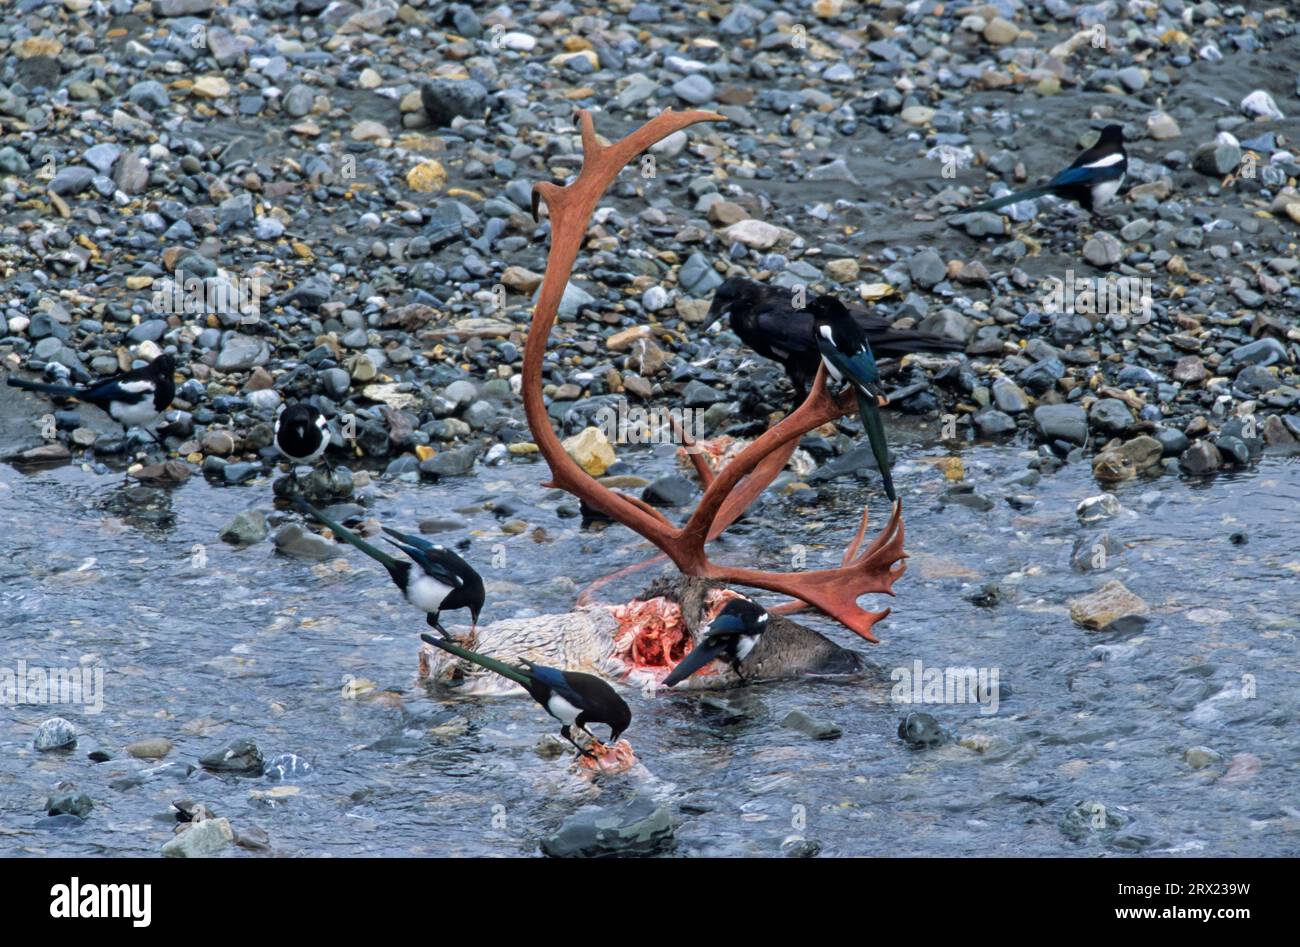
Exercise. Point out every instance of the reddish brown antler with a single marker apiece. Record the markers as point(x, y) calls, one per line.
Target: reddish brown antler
point(729, 491)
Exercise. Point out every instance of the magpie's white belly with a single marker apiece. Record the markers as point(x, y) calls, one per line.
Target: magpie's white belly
point(426, 593)
point(1103, 193)
point(744, 645)
point(133, 415)
point(562, 710)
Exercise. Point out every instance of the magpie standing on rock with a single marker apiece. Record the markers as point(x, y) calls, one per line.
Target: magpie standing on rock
point(134, 398)
point(301, 434)
point(571, 697)
point(767, 321)
point(847, 356)
point(443, 580)
point(731, 636)
point(1092, 180)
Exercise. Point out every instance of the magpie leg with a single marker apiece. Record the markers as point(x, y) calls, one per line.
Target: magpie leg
point(568, 735)
point(432, 621)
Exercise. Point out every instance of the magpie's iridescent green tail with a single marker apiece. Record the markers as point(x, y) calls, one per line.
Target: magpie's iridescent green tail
point(1016, 198)
point(518, 675)
point(345, 534)
point(874, 426)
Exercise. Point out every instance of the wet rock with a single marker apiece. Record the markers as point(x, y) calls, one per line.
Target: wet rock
point(286, 767)
point(1110, 416)
point(670, 491)
point(1199, 757)
point(1095, 553)
point(151, 749)
point(294, 541)
point(246, 529)
point(201, 840)
point(991, 423)
point(55, 734)
point(1217, 158)
point(921, 730)
point(1084, 818)
point(1102, 607)
point(239, 757)
point(1200, 459)
point(637, 828)
point(67, 803)
point(1062, 422)
point(1103, 250)
point(814, 727)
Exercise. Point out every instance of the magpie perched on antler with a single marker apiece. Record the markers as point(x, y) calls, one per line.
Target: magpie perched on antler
point(134, 398)
point(847, 355)
point(767, 320)
point(1092, 181)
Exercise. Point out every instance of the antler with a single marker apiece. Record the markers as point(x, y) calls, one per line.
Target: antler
point(729, 491)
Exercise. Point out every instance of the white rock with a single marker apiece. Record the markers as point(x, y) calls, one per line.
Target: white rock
point(1260, 102)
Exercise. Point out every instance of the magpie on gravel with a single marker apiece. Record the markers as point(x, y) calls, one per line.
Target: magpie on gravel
point(571, 697)
point(1092, 181)
point(731, 636)
point(301, 434)
point(443, 581)
point(134, 398)
point(767, 321)
point(847, 356)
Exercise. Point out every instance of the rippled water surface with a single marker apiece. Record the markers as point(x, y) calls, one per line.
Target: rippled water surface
point(251, 643)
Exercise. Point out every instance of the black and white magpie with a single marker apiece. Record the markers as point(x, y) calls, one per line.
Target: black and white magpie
point(731, 635)
point(1092, 181)
point(443, 581)
point(767, 321)
point(301, 434)
point(847, 356)
point(134, 398)
point(571, 697)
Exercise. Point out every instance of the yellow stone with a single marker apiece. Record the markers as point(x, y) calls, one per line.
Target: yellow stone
point(211, 87)
point(522, 447)
point(427, 177)
point(591, 450)
point(37, 46)
point(139, 282)
point(302, 250)
point(873, 291)
point(952, 468)
point(424, 452)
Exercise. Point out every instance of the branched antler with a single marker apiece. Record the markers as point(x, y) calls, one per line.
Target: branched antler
point(728, 492)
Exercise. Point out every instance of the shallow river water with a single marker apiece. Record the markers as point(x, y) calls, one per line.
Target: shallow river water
point(201, 643)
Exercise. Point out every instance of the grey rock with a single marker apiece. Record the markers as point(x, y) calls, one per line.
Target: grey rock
point(246, 529)
point(447, 99)
point(450, 463)
point(201, 840)
point(1062, 422)
point(639, 827)
point(1200, 459)
point(55, 734)
point(921, 730)
point(927, 269)
point(67, 803)
point(294, 541)
point(240, 757)
point(810, 726)
point(72, 180)
point(1110, 416)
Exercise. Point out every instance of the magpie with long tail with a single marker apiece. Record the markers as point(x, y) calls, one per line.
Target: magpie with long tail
point(301, 434)
point(1092, 181)
point(730, 636)
point(847, 356)
point(133, 399)
point(571, 697)
point(443, 580)
point(766, 319)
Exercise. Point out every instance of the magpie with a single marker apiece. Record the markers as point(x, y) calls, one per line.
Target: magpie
point(571, 697)
point(301, 434)
point(767, 321)
point(731, 635)
point(134, 398)
point(847, 356)
point(1092, 180)
point(443, 581)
